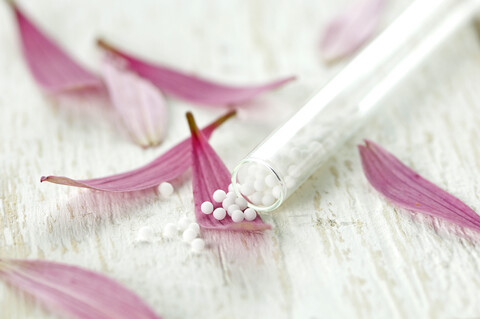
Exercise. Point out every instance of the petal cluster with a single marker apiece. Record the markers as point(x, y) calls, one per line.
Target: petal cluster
point(209, 175)
point(135, 87)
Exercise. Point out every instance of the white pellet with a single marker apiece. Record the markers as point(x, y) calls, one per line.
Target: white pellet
point(268, 200)
point(170, 230)
point(145, 234)
point(262, 171)
point(165, 189)
point(227, 202)
point(219, 195)
point(230, 188)
point(290, 181)
point(271, 180)
point(249, 179)
point(247, 189)
point(250, 214)
point(238, 216)
point(183, 223)
point(231, 195)
point(259, 184)
point(219, 213)
point(241, 202)
point(232, 208)
point(189, 235)
point(276, 191)
point(197, 245)
point(256, 198)
point(195, 227)
point(293, 154)
point(206, 207)
point(252, 169)
point(293, 171)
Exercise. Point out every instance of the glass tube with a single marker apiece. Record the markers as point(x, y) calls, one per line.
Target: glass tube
point(285, 159)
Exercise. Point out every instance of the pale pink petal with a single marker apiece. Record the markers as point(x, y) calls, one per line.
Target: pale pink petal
point(52, 68)
point(209, 174)
point(407, 189)
point(347, 32)
point(192, 88)
point(73, 291)
point(167, 167)
point(141, 105)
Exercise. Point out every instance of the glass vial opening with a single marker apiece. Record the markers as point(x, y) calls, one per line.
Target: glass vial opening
point(259, 183)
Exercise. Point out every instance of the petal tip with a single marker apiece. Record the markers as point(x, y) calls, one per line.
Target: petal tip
point(107, 46)
point(191, 123)
point(225, 117)
point(104, 44)
point(329, 58)
point(12, 4)
point(371, 144)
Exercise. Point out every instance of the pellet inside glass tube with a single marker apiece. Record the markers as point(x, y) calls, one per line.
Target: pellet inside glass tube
point(258, 184)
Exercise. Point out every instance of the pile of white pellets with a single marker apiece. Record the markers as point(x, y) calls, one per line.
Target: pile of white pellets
point(189, 230)
point(231, 204)
point(259, 184)
point(190, 233)
point(223, 204)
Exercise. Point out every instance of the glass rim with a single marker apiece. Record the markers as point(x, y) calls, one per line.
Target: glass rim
point(270, 168)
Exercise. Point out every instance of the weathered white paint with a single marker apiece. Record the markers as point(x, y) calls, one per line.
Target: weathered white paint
point(338, 249)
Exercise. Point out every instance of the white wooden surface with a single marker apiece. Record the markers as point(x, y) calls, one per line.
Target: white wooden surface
point(337, 250)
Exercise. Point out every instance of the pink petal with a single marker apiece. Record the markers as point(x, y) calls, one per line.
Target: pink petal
point(347, 32)
point(167, 167)
point(406, 188)
point(209, 174)
point(73, 291)
point(52, 68)
point(191, 88)
point(140, 104)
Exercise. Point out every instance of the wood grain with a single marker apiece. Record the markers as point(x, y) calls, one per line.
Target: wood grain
point(337, 250)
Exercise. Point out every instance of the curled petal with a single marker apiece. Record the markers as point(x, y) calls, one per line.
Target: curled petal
point(407, 189)
point(141, 105)
point(167, 167)
point(209, 174)
point(348, 31)
point(191, 88)
point(73, 291)
point(52, 68)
